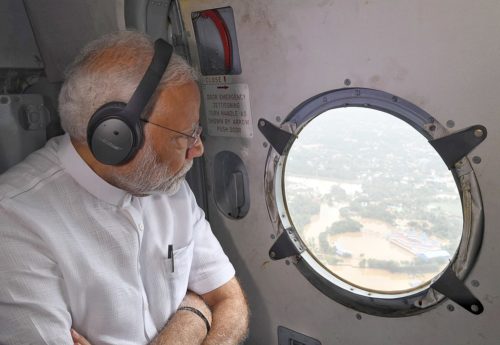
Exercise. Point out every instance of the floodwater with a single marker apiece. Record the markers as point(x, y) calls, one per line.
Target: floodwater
point(372, 242)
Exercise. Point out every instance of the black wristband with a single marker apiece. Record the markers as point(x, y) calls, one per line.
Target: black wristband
point(199, 313)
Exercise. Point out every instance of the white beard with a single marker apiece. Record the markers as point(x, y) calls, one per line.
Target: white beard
point(150, 176)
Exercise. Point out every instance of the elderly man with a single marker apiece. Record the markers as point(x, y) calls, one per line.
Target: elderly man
point(116, 249)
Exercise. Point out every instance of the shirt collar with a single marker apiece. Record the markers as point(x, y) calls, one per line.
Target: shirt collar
point(86, 177)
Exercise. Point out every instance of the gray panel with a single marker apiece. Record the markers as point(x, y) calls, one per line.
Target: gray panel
point(290, 337)
point(23, 119)
point(135, 14)
point(159, 19)
point(231, 185)
point(17, 44)
point(62, 28)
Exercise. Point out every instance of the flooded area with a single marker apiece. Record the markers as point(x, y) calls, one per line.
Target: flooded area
point(382, 212)
point(354, 251)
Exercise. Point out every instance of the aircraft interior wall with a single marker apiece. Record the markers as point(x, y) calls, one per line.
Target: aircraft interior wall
point(440, 56)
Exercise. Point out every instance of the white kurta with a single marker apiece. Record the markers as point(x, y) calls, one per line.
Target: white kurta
point(78, 252)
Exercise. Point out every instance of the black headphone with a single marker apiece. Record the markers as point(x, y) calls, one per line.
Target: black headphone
point(114, 132)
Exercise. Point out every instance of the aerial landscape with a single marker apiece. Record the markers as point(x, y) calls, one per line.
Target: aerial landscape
point(372, 200)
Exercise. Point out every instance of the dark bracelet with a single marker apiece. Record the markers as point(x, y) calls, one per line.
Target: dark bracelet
point(199, 313)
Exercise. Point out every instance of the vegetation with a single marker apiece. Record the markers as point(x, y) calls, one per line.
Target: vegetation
point(398, 182)
point(303, 206)
point(346, 225)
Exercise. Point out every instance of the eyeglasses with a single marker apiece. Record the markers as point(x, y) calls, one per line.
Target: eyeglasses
point(192, 138)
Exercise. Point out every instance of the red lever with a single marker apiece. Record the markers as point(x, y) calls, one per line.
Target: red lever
point(225, 37)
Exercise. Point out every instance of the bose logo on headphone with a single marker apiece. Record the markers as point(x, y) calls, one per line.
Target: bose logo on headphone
point(110, 144)
point(114, 132)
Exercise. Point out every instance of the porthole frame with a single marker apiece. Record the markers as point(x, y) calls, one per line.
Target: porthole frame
point(387, 305)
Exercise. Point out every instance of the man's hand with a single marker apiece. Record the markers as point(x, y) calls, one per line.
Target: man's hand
point(185, 327)
point(229, 313)
point(78, 339)
point(194, 301)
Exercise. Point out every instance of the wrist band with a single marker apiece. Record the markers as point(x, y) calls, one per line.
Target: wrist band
point(199, 313)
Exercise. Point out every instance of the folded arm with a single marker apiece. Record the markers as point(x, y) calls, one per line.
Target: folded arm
point(229, 314)
point(185, 327)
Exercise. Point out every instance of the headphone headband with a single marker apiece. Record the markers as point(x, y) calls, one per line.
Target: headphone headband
point(151, 79)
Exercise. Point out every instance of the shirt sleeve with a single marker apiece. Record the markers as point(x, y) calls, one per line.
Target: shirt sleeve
point(32, 305)
point(210, 267)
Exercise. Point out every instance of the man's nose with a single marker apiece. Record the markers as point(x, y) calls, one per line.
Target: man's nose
point(196, 150)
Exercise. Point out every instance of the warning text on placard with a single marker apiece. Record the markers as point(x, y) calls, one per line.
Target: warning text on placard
point(228, 110)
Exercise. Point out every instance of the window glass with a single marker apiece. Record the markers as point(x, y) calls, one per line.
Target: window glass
point(372, 200)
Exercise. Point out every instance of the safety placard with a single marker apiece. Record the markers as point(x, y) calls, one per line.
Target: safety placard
point(227, 109)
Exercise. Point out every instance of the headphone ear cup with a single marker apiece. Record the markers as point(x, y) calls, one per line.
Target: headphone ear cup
point(111, 137)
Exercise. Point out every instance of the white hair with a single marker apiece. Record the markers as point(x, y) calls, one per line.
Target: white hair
point(109, 70)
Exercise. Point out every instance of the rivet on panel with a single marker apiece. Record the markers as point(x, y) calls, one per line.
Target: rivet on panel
point(278, 118)
point(262, 123)
point(432, 128)
point(476, 159)
point(265, 144)
point(273, 236)
point(450, 307)
point(347, 82)
point(475, 283)
point(358, 316)
point(478, 133)
point(450, 123)
point(287, 262)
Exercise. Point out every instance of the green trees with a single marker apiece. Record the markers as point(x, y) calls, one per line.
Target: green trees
point(303, 206)
point(345, 225)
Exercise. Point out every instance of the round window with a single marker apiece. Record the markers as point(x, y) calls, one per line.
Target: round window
point(365, 204)
point(373, 202)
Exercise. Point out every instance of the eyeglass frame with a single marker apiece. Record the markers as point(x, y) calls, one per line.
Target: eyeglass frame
point(195, 136)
